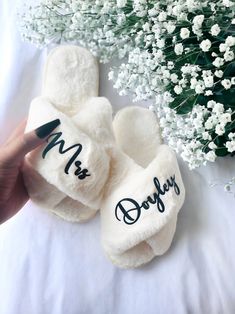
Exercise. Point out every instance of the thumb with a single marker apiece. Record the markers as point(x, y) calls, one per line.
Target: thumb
point(18, 147)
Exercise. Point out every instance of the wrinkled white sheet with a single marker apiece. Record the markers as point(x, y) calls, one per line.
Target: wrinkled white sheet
point(48, 266)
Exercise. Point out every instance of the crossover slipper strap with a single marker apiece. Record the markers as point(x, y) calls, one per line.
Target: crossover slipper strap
point(143, 203)
point(70, 160)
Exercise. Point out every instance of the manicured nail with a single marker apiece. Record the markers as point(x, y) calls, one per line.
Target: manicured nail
point(45, 129)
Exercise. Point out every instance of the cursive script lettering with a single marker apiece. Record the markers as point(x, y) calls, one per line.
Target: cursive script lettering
point(79, 172)
point(131, 209)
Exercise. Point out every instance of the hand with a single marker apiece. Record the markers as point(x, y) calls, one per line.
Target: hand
point(13, 194)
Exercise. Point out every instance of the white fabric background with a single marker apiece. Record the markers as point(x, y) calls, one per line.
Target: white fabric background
point(48, 266)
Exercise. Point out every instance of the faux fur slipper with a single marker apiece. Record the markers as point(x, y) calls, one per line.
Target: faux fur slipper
point(67, 174)
point(144, 194)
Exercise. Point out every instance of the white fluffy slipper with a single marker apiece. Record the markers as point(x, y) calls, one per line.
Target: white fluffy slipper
point(144, 194)
point(67, 174)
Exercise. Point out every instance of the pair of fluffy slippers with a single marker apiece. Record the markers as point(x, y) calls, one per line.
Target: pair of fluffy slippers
point(92, 162)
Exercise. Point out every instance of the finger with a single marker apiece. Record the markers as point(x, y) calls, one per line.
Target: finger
point(15, 151)
point(17, 132)
point(18, 198)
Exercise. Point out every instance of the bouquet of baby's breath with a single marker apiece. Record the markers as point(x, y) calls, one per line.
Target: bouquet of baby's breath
point(178, 53)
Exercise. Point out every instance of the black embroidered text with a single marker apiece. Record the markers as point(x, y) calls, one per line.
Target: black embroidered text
point(79, 172)
point(131, 209)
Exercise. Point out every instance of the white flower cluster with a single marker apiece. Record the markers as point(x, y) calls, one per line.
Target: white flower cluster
point(128, 80)
point(179, 53)
point(44, 23)
point(187, 78)
point(104, 27)
point(197, 135)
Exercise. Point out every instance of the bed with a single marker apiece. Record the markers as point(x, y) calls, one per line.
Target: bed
point(49, 266)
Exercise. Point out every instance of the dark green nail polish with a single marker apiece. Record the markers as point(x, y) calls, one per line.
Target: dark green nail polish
point(45, 129)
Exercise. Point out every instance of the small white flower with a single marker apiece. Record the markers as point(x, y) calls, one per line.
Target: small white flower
point(206, 73)
point(230, 146)
point(230, 41)
point(170, 27)
point(218, 62)
point(227, 3)
point(213, 7)
point(160, 43)
point(178, 89)
point(170, 65)
point(198, 20)
point(211, 156)
point(146, 27)
point(212, 145)
point(211, 104)
point(222, 47)
point(219, 129)
point(206, 136)
point(174, 78)
point(219, 73)
point(208, 93)
point(121, 3)
point(162, 16)
point(193, 83)
point(209, 124)
point(200, 87)
point(218, 108)
point(229, 55)
point(231, 135)
point(225, 118)
point(215, 30)
point(111, 75)
point(179, 49)
point(226, 83)
point(233, 80)
point(183, 82)
point(209, 81)
point(205, 45)
point(184, 33)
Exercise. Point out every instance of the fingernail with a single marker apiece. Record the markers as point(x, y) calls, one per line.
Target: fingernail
point(45, 129)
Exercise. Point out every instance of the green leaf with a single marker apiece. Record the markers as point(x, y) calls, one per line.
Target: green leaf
point(226, 97)
point(184, 103)
point(221, 152)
